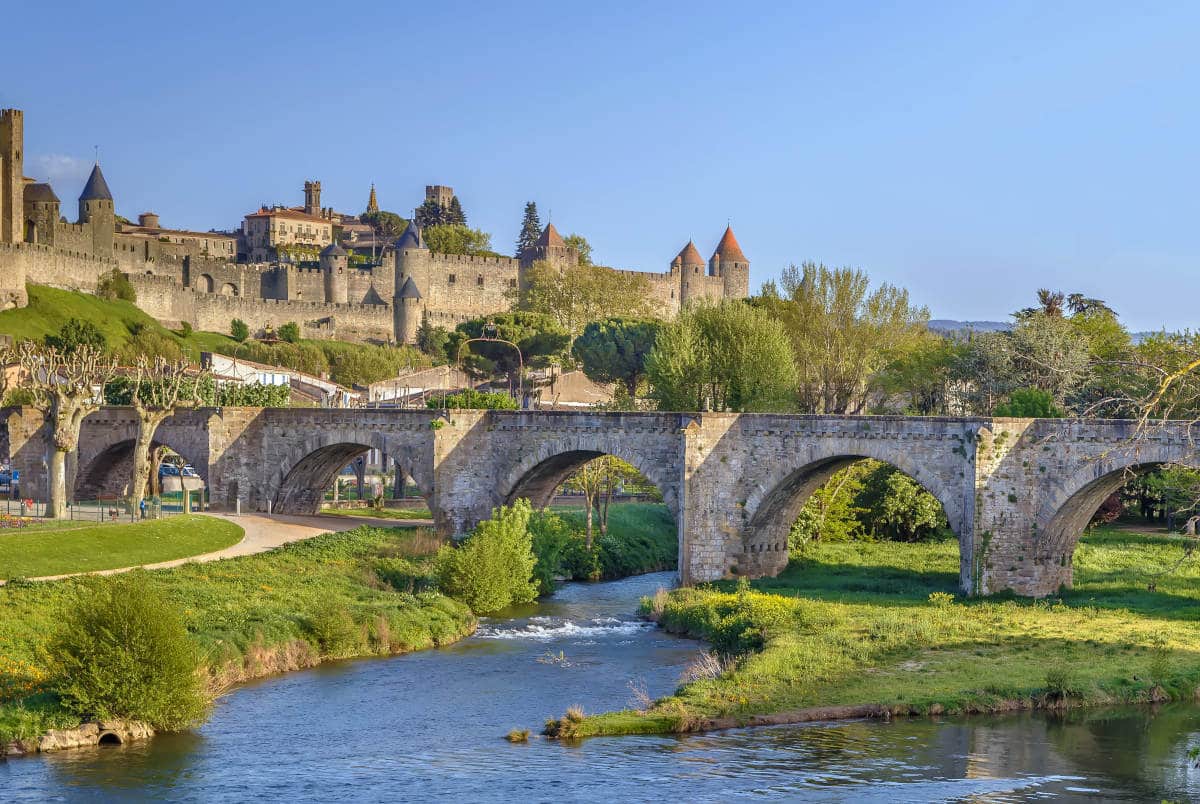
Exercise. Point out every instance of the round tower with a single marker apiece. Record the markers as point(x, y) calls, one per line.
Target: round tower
point(408, 312)
point(97, 213)
point(336, 272)
point(729, 263)
point(413, 264)
point(691, 273)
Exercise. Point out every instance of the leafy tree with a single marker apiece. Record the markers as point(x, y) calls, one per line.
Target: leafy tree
point(253, 395)
point(539, 337)
point(75, 334)
point(615, 350)
point(582, 247)
point(431, 213)
point(578, 294)
point(922, 377)
point(831, 514)
point(470, 399)
point(239, 330)
point(531, 229)
point(551, 540)
point(122, 651)
point(730, 356)
point(843, 334)
point(114, 285)
point(598, 480)
point(432, 340)
point(455, 214)
point(455, 238)
point(385, 224)
point(493, 567)
point(289, 332)
point(1029, 403)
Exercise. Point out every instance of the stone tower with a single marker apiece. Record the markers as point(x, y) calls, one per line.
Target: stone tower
point(690, 266)
point(551, 248)
point(372, 201)
point(729, 263)
point(413, 264)
point(439, 193)
point(408, 312)
point(312, 198)
point(42, 212)
point(96, 211)
point(12, 180)
point(336, 271)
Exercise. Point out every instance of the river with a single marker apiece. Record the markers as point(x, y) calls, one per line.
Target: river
point(430, 726)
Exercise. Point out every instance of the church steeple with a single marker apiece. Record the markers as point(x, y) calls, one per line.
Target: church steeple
point(372, 202)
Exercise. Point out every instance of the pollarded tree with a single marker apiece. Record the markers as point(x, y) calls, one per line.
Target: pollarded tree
point(157, 389)
point(615, 350)
point(531, 229)
point(726, 357)
point(65, 386)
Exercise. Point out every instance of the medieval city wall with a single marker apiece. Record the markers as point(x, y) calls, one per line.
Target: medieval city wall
point(54, 266)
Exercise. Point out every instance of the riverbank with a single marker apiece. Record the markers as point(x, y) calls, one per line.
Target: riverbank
point(361, 592)
point(862, 629)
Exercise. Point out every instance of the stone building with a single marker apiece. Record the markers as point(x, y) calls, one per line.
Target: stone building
point(351, 288)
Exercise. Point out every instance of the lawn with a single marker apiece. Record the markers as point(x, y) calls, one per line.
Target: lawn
point(356, 593)
point(879, 624)
point(81, 547)
point(380, 513)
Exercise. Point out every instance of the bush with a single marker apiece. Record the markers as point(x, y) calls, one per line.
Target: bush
point(493, 568)
point(472, 399)
point(333, 630)
point(551, 538)
point(75, 333)
point(114, 285)
point(239, 330)
point(289, 332)
point(122, 652)
point(1029, 403)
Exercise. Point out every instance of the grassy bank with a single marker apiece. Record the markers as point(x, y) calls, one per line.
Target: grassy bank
point(380, 513)
point(642, 537)
point(80, 547)
point(356, 593)
point(858, 628)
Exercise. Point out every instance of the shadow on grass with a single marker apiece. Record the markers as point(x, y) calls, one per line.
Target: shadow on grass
point(858, 582)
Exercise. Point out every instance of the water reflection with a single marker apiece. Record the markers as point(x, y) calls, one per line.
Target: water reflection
point(429, 727)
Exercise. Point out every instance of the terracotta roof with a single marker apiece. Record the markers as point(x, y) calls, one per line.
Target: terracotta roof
point(550, 237)
point(728, 249)
point(96, 188)
point(290, 214)
point(688, 255)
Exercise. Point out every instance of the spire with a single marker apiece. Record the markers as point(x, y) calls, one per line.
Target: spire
point(688, 255)
point(372, 202)
point(411, 237)
point(96, 188)
point(728, 249)
point(409, 290)
point(550, 237)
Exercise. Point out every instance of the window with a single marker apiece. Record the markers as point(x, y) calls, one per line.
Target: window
point(451, 279)
point(512, 283)
point(479, 280)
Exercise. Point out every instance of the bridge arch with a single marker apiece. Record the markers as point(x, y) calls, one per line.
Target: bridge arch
point(775, 500)
point(309, 468)
point(108, 472)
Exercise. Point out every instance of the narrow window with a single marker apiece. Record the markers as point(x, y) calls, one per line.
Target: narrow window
point(450, 279)
point(479, 280)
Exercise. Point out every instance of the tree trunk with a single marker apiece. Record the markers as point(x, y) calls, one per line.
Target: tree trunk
point(56, 504)
point(142, 446)
point(607, 500)
point(588, 497)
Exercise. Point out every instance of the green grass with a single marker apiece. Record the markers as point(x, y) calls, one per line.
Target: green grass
point(385, 513)
point(254, 615)
point(854, 623)
point(79, 547)
point(642, 537)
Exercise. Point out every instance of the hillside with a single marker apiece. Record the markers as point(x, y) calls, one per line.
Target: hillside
point(129, 331)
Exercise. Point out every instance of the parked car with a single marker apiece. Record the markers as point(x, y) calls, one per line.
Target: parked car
point(168, 470)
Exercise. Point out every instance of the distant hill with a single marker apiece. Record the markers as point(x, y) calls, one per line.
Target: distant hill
point(950, 325)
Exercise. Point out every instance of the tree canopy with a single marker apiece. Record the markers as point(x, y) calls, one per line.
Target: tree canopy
point(457, 238)
point(577, 294)
point(531, 229)
point(615, 350)
point(539, 337)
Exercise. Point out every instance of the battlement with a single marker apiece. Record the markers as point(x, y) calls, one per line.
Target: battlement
point(9, 115)
point(459, 260)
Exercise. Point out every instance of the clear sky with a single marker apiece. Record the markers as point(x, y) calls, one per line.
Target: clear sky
point(970, 152)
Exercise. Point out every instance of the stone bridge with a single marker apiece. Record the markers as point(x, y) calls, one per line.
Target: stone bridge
point(1017, 492)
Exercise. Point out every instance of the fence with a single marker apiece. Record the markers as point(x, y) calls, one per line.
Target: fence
point(114, 509)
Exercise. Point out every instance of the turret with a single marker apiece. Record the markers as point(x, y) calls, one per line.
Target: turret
point(729, 263)
point(408, 312)
point(690, 266)
point(96, 211)
point(312, 198)
point(551, 248)
point(336, 273)
point(12, 224)
point(41, 214)
point(413, 265)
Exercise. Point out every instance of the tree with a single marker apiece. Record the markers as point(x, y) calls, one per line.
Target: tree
point(843, 334)
point(470, 399)
point(615, 350)
point(454, 238)
point(922, 376)
point(538, 337)
point(386, 224)
point(598, 480)
point(157, 390)
point(432, 340)
point(577, 294)
point(1029, 403)
point(75, 334)
point(239, 330)
point(289, 332)
point(431, 213)
point(582, 247)
point(62, 386)
point(493, 567)
point(726, 357)
point(114, 285)
point(531, 229)
point(455, 214)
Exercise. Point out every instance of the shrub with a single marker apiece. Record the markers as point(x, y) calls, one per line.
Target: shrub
point(493, 568)
point(1061, 681)
point(114, 285)
point(185, 329)
point(75, 333)
point(551, 537)
point(472, 399)
point(1031, 403)
point(239, 330)
point(289, 332)
point(333, 630)
point(122, 652)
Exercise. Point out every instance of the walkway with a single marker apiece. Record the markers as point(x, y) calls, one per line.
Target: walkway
point(265, 533)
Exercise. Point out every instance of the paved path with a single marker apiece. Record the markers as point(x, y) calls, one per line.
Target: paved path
point(264, 533)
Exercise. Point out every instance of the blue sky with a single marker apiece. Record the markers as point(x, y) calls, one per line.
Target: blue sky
point(971, 152)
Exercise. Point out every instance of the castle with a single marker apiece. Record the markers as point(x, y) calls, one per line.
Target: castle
point(207, 279)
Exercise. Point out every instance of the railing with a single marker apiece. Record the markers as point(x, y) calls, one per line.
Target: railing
point(112, 509)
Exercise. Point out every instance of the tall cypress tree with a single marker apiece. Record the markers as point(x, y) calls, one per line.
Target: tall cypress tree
point(455, 212)
point(531, 229)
